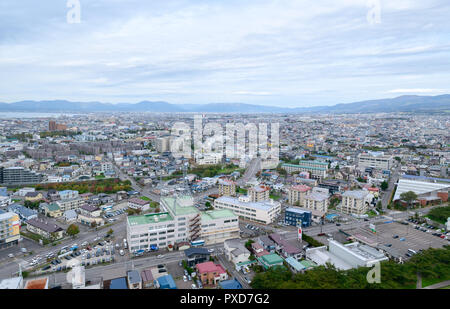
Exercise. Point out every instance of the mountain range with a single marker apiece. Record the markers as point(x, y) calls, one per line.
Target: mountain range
point(410, 103)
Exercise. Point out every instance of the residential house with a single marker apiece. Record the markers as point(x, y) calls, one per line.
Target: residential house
point(210, 273)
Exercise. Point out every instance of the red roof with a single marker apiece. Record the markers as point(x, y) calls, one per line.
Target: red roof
point(209, 267)
point(301, 188)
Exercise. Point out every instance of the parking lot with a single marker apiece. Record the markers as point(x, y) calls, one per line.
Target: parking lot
point(102, 252)
point(401, 237)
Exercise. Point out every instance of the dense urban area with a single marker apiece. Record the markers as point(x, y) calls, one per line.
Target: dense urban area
point(102, 201)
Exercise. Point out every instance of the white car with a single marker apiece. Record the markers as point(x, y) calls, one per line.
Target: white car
point(193, 286)
point(121, 252)
point(11, 255)
point(210, 250)
point(184, 278)
point(160, 256)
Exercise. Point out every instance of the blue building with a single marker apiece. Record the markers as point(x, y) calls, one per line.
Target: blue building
point(232, 284)
point(295, 217)
point(166, 282)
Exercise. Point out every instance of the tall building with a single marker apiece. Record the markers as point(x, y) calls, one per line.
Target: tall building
point(227, 187)
point(355, 202)
point(9, 229)
point(297, 194)
point(259, 193)
point(53, 126)
point(316, 201)
point(162, 144)
point(180, 221)
point(19, 176)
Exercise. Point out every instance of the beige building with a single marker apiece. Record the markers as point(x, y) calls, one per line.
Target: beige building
point(45, 229)
point(227, 187)
point(316, 201)
point(355, 202)
point(297, 194)
point(259, 193)
point(9, 229)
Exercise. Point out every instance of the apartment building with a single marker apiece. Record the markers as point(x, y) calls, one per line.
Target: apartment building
point(264, 212)
point(19, 176)
point(316, 201)
point(297, 194)
point(227, 187)
point(355, 202)
point(376, 160)
point(259, 193)
point(178, 222)
point(9, 229)
point(71, 203)
point(317, 170)
point(162, 144)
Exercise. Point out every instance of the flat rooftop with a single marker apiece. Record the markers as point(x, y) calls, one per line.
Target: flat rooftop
point(217, 214)
point(149, 218)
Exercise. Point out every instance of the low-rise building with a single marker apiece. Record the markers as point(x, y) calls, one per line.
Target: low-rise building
point(51, 210)
point(346, 256)
point(235, 251)
point(24, 213)
point(195, 256)
point(134, 280)
point(139, 204)
point(297, 217)
point(210, 273)
point(44, 228)
point(270, 260)
point(262, 212)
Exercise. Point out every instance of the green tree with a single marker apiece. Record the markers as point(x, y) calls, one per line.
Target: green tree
point(384, 185)
point(72, 230)
point(408, 197)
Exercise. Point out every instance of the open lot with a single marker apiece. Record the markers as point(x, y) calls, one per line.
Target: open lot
point(413, 239)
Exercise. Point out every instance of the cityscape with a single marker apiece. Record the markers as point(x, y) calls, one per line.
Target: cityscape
point(178, 192)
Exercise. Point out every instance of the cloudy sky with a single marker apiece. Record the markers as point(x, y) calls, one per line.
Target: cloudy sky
point(269, 52)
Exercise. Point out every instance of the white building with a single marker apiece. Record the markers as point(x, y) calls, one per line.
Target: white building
point(180, 221)
point(235, 251)
point(376, 160)
point(264, 212)
point(345, 257)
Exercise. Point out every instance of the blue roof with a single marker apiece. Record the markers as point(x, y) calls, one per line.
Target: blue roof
point(118, 284)
point(295, 264)
point(22, 211)
point(166, 282)
point(232, 284)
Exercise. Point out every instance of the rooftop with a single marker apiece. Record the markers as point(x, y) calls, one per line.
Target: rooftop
point(217, 214)
point(149, 218)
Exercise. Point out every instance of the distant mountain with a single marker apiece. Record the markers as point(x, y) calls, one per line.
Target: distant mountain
point(400, 104)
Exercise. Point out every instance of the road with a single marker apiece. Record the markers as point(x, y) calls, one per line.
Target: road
point(391, 187)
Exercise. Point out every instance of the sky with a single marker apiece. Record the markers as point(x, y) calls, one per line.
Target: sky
point(270, 52)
